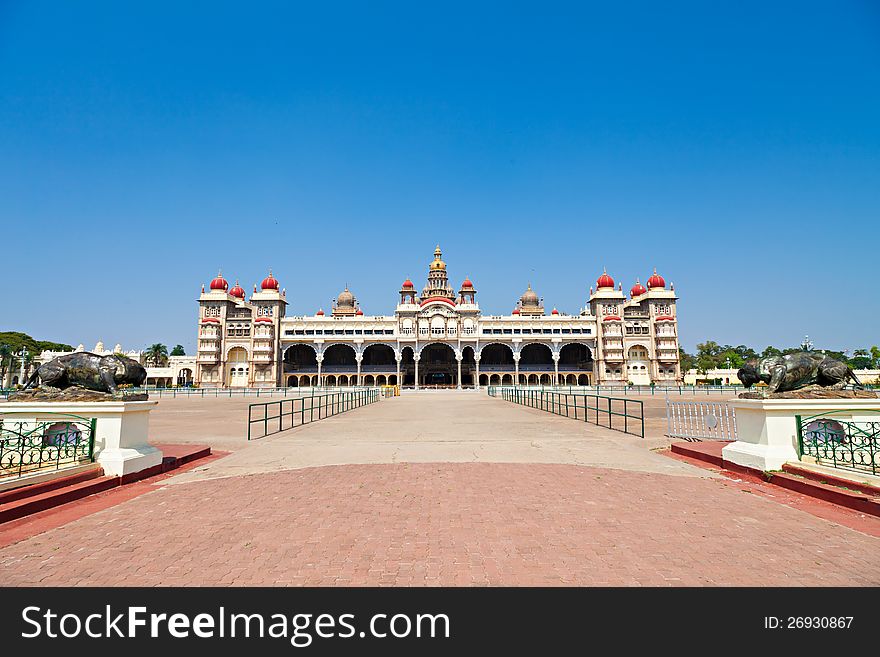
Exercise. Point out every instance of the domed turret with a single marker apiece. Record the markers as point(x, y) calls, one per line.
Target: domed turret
point(437, 264)
point(529, 303)
point(656, 281)
point(219, 283)
point(346, 304)
point(270, 282)
point(237, 291)
point(638, 289)
point(604, 281)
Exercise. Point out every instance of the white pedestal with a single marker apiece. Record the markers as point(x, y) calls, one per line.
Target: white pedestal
point(767, 433)
point(121, 430)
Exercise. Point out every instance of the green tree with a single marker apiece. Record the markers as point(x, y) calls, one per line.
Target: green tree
point(688, 362)
point(157, 354)
point(5, 361)
point(770, 351)
point(875, 357)
point(178, 350)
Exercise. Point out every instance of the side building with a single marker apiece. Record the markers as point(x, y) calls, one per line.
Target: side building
point(437, 338)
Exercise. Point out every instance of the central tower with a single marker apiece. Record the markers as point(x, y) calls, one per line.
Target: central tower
point(438, 281)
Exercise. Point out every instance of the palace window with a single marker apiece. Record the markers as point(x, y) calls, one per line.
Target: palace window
point(555, 331)
point(389, 331)
point(566, 331)
point(527, 331)
point(300, 332)
point(264, 311)
point(212, 311)
point(663, 309)
point(368, 332)
point(516, 331)
point(288, 332)
point(309, 332)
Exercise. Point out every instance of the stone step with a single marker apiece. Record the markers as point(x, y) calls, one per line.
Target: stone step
point(49, 499)
point(60, 481)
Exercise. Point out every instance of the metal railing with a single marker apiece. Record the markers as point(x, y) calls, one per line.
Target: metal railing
point(601, 410)
point(845, 444)
point(700, 420)
point(29, 446)
point(274, 417)
point(290, 391)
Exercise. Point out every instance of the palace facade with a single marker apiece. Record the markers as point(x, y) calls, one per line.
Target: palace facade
point(437, 337)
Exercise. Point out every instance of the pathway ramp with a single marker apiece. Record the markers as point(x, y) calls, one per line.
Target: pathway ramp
point(453, 427)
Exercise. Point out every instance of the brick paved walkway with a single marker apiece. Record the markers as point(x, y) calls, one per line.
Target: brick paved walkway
point(449, 524)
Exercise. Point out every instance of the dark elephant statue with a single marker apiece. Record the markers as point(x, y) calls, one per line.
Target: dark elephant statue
point(83, 368)
point(796, 371)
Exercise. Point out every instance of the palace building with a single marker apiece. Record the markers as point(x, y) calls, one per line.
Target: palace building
point(437, 337)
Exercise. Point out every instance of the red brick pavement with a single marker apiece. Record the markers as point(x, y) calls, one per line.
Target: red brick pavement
point(447, 524)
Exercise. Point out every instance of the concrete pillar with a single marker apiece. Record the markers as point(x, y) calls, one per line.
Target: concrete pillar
point(320, 380)
point(399, 382)
point(477, 375)
point(416, 359)
point(458, 360)
point(358, 361)
point(555, 369)
point(516, 368)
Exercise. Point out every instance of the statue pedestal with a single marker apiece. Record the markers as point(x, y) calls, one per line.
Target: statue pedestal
point(767, 433)
point(121, 429)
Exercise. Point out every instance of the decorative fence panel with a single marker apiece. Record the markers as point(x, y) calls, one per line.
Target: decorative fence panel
point(846, 444)
point(272, 417)
point(697, 421)
point(30, 446)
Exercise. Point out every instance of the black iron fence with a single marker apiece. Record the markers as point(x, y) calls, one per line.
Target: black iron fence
point(617, 413)
point(33, 445)
point(271, 417)
point(847, 444)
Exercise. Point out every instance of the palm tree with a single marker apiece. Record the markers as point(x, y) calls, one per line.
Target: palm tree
point(157, 354)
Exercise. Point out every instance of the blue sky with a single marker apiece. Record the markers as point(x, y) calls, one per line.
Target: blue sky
point(735, 146)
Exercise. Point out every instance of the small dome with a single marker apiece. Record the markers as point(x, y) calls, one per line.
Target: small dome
point(359, 312)
point(270, 282)
point(516, 311)
point(638, 289)
point(529, 297)
point(219, 283)
point(320, 312)
point(555, 312)
point(407, 284)
point(604, 281)
point(467, 285)
point(345, 298)
point(656, 281)
point(237, 291)
point(437, 264)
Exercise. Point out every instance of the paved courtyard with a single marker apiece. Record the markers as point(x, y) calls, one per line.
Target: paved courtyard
point(442, 489)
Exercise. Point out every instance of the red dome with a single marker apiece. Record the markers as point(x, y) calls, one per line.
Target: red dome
point(467, 283)
point(637, 290)
point(555, 312)
point(516, 311)
point(359, 312)
point(604, 281)
point(237, 291)
point(320, 313)
point(270, 282)
point(656, 281)
point(263, 319)
point(219, 283)
point(408, 284)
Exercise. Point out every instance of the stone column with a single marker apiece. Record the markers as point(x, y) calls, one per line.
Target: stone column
point(397, 360)
point(555, 369)
point(358, 359)
point(458, 360)
point(477, 375)
point(516, 368)
point(320, 380)
point(416, 358)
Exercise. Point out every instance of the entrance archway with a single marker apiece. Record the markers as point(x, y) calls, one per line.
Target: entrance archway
point(237, 368)
point(437, 365)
